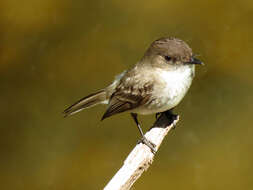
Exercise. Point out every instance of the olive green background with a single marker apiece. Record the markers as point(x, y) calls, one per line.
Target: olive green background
point(53, 52)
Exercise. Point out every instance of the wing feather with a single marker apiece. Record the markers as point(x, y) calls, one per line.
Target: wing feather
point(127, 98)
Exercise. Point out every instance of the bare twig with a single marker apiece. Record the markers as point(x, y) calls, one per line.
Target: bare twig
point(141, 156)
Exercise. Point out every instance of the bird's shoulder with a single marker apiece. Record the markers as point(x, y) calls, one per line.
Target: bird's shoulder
point(134, 84)
point(130, 93)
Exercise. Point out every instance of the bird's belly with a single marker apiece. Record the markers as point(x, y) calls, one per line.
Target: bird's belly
point(161, 104)
point(168, 95)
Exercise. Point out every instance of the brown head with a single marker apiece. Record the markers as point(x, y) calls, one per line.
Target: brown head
point(170, 51)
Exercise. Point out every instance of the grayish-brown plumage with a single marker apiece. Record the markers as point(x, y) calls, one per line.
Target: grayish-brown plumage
point(157, 83)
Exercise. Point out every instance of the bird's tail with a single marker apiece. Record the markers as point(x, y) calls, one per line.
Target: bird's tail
point(86, 102)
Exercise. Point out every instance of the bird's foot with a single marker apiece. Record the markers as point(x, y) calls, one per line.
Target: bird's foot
point(148, 143)
point(157, 115)
point(172, 117)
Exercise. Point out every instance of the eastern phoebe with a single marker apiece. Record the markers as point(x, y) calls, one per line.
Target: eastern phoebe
point(157, 83)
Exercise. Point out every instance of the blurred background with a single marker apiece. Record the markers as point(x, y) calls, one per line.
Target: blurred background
point(54, 52)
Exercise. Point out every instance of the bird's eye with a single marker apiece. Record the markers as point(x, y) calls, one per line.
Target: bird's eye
point(168, 58)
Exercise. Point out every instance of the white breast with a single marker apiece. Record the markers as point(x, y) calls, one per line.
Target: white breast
point(177, 82)
point(174, 86)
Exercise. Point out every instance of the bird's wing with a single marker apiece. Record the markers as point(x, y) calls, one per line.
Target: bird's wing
point(128, 96)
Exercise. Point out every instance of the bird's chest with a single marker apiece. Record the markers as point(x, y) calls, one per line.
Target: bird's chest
point(173, 88)
point(175, 83)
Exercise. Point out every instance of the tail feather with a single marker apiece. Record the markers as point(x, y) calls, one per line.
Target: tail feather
point(86, 102)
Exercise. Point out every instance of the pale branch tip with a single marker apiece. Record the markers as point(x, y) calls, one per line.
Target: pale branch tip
point(141, 157)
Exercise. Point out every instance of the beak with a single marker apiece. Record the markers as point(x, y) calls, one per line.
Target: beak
point(195, 61)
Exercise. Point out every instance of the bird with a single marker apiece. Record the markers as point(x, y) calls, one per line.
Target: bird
point(156, 84)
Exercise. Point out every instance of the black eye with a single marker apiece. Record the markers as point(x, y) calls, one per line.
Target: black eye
point(168, 58)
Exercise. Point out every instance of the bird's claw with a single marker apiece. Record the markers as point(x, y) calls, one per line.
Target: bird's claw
point(157, 115)
point(172, 117)
point(148, 143)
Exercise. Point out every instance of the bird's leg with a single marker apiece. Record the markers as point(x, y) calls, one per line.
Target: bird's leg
point(171, 116)
point(134, 115)
point(143, 140)
point(157, 115)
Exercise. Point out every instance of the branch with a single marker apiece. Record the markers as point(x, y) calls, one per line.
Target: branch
point(141, 156)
